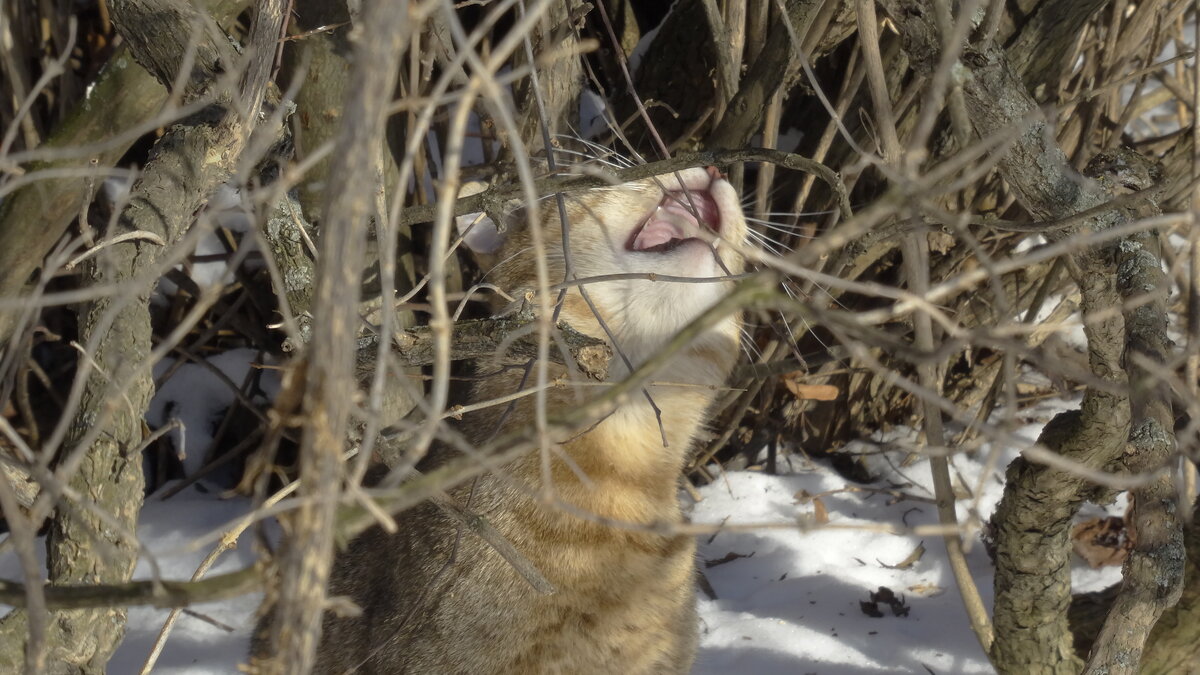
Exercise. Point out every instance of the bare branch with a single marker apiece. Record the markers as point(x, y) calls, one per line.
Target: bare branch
point(177, 180)
point(330, 384)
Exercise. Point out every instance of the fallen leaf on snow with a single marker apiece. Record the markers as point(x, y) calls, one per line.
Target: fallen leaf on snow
point(907, 562)
point(926, 589)
point(884, 596)
point(820, 513)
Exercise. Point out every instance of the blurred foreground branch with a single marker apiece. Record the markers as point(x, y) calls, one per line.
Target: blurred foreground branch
point(330, 383)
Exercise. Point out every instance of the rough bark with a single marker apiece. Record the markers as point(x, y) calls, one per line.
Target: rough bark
point(1031, 527)
point(330, 383)
point(322, 63)
point(744, 113)
point(37, 215)
point(322, 60)
point(1174, 644)
point(288, 234)
point(482, 338)
point(1030, 524)
point(1041, 49)
point(92, 543)
point(1153, 573)
point(559, 78)
point(161, 32)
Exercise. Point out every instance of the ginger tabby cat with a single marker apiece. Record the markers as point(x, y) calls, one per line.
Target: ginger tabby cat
point(625, 597)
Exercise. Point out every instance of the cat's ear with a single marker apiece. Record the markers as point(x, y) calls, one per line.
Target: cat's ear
point(478, 230)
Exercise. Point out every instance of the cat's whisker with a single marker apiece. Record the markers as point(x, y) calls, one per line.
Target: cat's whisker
point(608, 152)
point(771, 225)
point(751, 197)
point(599, 153)
point(749, 346)
point(809, 329)
point(589, 158)
point(802, 214)
point(790, 334)
point(766, 243)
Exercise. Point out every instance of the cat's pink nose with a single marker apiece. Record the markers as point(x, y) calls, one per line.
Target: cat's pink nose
point(713, 172)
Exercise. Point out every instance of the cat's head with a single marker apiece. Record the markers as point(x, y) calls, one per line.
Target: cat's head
point(683, 224)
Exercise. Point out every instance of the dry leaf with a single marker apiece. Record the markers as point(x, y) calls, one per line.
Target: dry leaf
point(820, 513)
point(940, 242)
point(808, 392)
point(1029, 388)
point(926, 589)
point(908, 562)
point(871, 609)
point(728, 557)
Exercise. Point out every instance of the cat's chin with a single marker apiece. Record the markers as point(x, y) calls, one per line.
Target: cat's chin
point(695, 258)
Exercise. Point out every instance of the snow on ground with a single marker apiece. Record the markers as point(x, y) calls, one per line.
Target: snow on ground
point(788, 595)
point(789, 599)
point(195, 397)
point(214, 639)
point(792, 605)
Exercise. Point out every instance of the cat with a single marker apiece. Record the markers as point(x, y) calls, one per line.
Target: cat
point(438, 599)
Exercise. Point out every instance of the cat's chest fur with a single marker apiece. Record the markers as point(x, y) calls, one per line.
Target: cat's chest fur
point(624, 598)
point(625, 584)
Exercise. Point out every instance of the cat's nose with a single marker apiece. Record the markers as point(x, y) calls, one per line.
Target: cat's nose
point(713, 172)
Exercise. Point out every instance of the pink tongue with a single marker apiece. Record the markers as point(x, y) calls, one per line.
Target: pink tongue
point(675, 218)
point(657, 231)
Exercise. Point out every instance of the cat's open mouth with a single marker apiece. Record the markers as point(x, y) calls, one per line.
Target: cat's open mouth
point(682, 216)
